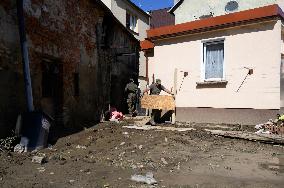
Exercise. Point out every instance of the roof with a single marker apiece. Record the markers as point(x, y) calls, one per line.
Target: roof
point(218, 22)
point(146, 45)
point(137, 8)
point(161, 18)
point(175, 6)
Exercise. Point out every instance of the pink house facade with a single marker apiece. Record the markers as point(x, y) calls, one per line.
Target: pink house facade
point(229, 67)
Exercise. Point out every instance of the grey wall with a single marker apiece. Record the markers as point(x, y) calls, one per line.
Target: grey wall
point(191, 10)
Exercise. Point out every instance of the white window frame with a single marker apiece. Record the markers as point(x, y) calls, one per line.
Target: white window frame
point(203, 58)
point(133, 19)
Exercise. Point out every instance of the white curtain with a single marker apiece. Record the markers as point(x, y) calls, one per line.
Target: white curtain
point(133, 22)
point(214, 60)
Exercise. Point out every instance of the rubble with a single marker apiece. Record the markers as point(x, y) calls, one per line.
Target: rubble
point(81, 147)
point(148, 178)
point(23, 146)
point(272, 126)
point(267, 138)
point(149, 127)
point(170, 155)
point(39, 159)
point(164, 161)
point(41, 169)
point(8, 143)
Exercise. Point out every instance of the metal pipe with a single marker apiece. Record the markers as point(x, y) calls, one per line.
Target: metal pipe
point(25, 56)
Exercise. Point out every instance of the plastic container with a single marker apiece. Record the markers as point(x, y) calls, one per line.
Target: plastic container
point(35, 127)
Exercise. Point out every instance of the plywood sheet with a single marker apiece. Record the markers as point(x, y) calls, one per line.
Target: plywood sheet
point(163, 102)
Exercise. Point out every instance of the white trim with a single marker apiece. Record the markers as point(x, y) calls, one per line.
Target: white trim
point(213, 40)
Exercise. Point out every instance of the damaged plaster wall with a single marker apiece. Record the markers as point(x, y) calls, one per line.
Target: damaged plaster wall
point(11, 77)
point(84, 38)
point(72, 46)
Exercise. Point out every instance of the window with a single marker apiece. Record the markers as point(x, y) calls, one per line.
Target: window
point(213, 60)
point(131, 22)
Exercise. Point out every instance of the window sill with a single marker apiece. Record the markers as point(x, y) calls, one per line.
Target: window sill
point(212, 84)
point(133, 32)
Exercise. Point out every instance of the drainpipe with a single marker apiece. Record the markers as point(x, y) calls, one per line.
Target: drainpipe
point(25, 56)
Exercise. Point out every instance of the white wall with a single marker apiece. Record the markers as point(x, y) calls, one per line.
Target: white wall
point(257, 46)
point(107, 3)
point(191, 10)
point(119, 8)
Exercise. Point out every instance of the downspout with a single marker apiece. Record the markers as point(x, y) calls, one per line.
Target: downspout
point(147, 68)
point(25, 56)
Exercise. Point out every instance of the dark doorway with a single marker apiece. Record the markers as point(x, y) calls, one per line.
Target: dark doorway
point(52, 89)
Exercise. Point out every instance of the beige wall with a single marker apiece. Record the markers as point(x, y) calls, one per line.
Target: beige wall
point(191, 10)
point(119, 8)
point(257, 46)
point(282, 82)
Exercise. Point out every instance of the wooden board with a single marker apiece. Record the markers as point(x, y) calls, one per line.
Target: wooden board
point(268, 138)
point(162, 102)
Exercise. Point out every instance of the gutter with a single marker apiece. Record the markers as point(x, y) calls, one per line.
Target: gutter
point(25, 56)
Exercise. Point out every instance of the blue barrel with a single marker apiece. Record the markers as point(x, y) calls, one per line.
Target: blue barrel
point(35, 127)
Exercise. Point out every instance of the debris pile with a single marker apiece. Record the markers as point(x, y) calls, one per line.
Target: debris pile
point(8, 143)
point(272, 126)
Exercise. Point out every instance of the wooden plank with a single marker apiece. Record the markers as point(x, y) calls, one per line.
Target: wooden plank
point(162, 102)
point(173, 119)
point(268, 138)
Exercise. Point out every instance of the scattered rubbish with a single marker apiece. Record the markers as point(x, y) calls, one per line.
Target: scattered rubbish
point(164, 161)
point(122, 143)
point(51, 173)
point(8, 143)
point(23, 146)
point(81, 147)
point(120, 155)
point(114, 115)
point(133, 166)
point(140, 147)
point(166, 139)
point(38, 159)
point(267, 138)
point(125, 133)
point(41, 169)
point(71, 181)
point(228, 168)
point(272, 126)
point(149, 127)
point(148, 178)
point(262, 131)
point(19, 148)
point(178, 166)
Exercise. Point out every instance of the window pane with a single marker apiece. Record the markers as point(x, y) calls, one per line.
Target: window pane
point(214, 60)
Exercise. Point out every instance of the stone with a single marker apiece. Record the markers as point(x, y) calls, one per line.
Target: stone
point(38, 159)
point(148, 178)
point(164, 161)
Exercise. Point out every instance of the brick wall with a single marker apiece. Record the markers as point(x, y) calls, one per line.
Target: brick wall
point(67, 38)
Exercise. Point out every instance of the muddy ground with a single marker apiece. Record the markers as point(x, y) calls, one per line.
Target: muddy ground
point(107, 154)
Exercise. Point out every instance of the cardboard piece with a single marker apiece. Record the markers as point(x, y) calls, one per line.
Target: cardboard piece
point(162, 102)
